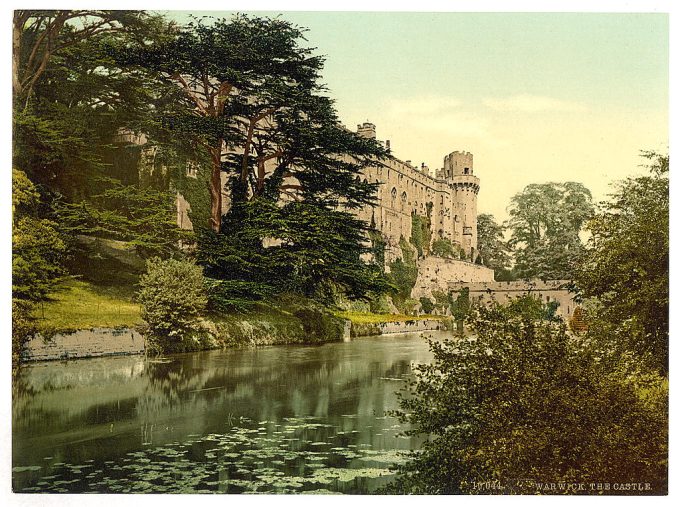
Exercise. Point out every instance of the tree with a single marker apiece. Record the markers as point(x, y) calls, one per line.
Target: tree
point(77, 98)
point(443, 247)
point(522, 402)
point(545, 220)
point(625, 265)
point(40, 36)
point(491, 245)
point(306, 246)
point(253, 103)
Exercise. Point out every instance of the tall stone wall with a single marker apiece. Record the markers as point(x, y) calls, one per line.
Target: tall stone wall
point(435, 273)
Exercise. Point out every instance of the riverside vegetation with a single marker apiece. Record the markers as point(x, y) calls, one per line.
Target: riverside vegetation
point(526, 396)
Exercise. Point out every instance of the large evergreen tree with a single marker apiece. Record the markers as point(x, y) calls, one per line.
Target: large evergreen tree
point(255, 105)
point(253, 102)
point(71, 97)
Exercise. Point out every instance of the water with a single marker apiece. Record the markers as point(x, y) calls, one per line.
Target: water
point(287, 419)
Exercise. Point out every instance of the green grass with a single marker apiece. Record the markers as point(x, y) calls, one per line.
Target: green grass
point(376, 318)
point(81, 305)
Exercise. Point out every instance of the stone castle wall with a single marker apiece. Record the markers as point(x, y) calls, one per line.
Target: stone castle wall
point(449, 198)
point(435, 273)
point(503, 292)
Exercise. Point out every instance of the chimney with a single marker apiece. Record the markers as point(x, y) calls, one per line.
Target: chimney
point(387, 143)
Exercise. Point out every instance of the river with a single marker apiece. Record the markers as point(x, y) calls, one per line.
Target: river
point(284, 419)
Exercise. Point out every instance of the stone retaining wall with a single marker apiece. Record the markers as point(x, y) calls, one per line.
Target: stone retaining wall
point(85, 343)
point(408, 326)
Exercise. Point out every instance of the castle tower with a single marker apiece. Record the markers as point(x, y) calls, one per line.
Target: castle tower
point(459, 172)
point(366, 130)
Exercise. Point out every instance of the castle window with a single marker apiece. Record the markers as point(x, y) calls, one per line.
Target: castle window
point(466, 170)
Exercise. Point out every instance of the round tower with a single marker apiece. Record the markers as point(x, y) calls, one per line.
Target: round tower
point(459, 171)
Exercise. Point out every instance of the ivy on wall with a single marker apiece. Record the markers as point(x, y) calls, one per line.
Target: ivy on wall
point(421, 234)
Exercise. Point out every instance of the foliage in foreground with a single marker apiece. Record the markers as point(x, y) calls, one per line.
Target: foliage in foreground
point(625, 267)
point(173, 295)
point(524, 400)
point(38, 250)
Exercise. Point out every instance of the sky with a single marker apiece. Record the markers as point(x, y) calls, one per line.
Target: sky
point(535, 97)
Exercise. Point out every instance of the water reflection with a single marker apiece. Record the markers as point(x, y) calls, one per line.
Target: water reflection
point(312, 412)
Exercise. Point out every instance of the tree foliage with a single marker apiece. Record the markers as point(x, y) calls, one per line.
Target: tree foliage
point(491, 245)
point(545, 220)
point(254, 103)
point(296, 247)
point(421, 234)
point(145, 218)
point(38, 251)
point(70, 104)
point(625, 265)
point(521, 401)
point(403, 275)
point(444, 248)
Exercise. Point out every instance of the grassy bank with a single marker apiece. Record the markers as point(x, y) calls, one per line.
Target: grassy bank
point(81, 305)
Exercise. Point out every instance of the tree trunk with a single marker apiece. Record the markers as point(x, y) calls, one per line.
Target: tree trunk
point(16, 53)
point(216, 189)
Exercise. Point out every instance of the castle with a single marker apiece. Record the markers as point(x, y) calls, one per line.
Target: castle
point(448, 199)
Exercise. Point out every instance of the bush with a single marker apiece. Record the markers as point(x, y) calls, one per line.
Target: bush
point(23, 329)
point(444, 248)
point(173, 295)
point(523, 400)
point(426, 305)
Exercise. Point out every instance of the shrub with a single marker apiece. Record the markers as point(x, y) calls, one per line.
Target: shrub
point(23, 328)
point(172, 295)
point(522, 401)
point(426, 304)
point(444, 248)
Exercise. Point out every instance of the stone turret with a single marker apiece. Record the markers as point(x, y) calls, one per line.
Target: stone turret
point(458, 171)
point(366, 130)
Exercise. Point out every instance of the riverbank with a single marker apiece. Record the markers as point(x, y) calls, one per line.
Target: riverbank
point(227, 333)
point(85, 320)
